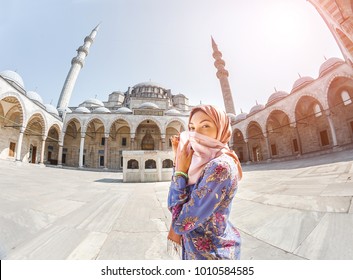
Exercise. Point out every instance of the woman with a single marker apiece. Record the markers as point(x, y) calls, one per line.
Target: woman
point(204, 183)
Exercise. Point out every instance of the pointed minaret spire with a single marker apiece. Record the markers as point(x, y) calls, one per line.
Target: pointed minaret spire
point(222, 75)
point(76, 65)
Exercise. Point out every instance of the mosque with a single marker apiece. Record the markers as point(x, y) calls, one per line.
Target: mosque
point(315, 117)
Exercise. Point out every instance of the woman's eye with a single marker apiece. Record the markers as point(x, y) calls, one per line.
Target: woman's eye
point(191, 128)
point(205, 126)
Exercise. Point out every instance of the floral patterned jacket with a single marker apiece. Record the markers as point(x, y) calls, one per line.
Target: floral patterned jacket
point(200, 212)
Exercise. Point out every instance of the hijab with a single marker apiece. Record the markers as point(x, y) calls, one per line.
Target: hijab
point(207, 148)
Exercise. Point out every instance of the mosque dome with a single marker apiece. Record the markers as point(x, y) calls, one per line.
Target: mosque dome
point(329, 64)
point(92, 102)
point(276, 96)
point(256, 108)
point(34, 96)
point(240, 117)
point(301, 82)
point(82, 110)
point(172, 112)
point(232, 117)
point(13, 76)
point(148, 105)
point(51, 109)
point(149, 90)
point(101, 110)
point(124, 110)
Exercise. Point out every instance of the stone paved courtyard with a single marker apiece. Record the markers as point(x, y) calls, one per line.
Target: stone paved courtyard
point(299, 209)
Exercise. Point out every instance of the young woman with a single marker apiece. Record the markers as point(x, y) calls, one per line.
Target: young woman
point(204, 183)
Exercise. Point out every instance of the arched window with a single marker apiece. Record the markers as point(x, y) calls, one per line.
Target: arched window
point(132, 164)
point(346, 98)
point(317, 110)
point(150, 164)
point(167, 163)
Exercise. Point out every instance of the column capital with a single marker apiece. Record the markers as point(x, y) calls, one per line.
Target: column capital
point(83, 134)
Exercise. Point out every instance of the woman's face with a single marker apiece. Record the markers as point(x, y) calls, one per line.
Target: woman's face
point(201, 123)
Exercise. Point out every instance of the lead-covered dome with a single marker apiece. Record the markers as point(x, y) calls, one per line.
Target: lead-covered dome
point(123, 110)
point(329, 64)
point(13, 77)
point(240, 117)
point(51, 109)
point(81, 110)
point(92, 102)
point(34, 96)
point(256, 108)
point(149, 90)
point(302, 82)
point(172, 112)
point(276, 96)
point(101, 110)
point(231, 117)
point(148, 105)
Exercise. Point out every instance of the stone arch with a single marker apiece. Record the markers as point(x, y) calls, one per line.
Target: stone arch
point(70, 119)
point(112, 121)
point(34, 118)
point(340, 100)
point(171, 129)
point(71, 141)
point(51, 151)
point(149, 118)
point(92, 118)
point(146, 131)
point(257, 144)
point(14, 97)
point(313, 128)
point(183, 125)
point(239, 145)
point(150, 164)
point(280, 134)
point(94, 143)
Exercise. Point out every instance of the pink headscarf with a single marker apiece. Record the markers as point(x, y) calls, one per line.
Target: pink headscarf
point(207, 148)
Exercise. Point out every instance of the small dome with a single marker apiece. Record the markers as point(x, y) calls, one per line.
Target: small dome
point(232, 117)
point(240, 117)
point(101, 110)
point(256, 108)
point(148, 105)
point(13, 76)
point(301, 82)
point(92, 102)
point(51, 109)
point(172, 112)
point(123, 110)
point(34, 96)
point(328, 64)
point(276, 96)
point(82, 110)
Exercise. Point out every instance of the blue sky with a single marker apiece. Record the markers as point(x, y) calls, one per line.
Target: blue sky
point(265, 44)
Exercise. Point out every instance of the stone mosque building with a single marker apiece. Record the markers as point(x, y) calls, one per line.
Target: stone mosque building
point(131, 130)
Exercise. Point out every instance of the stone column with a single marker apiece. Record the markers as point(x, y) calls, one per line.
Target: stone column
point(42, 151)
point(132, 142)
point(159, 168)
point(248, 149)
point(106, 138)
point(163, 143)
point(332, 128)
point(268, 145)
point(298, 139)
point(19, 144)
point(82, 145)
point(60, 153)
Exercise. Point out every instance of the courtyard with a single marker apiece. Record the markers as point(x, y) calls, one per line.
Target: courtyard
point(299, 209)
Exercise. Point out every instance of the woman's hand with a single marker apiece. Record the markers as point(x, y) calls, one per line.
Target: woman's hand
point(184, 158)
point(175, 142)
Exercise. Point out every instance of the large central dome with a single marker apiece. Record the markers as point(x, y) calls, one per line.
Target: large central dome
point(149, 90)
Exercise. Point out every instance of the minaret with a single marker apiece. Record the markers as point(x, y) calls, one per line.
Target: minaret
point(338, 15)
point(76, 65)
point(222, 75)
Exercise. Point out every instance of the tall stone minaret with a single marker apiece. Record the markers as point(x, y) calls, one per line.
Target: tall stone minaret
point(338, 15)
point(222, 75)
point(76, 65)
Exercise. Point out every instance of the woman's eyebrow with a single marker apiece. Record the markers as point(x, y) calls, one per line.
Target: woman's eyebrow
point(205, 121)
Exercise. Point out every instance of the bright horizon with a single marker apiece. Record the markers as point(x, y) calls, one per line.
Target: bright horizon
point(266, 45)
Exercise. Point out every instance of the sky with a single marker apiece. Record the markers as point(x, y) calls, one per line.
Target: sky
point(266, 45)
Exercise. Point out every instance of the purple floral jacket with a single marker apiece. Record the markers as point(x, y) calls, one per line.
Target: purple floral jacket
point(200, 212)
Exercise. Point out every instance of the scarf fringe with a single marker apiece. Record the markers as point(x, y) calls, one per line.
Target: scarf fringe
point(174, 249)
